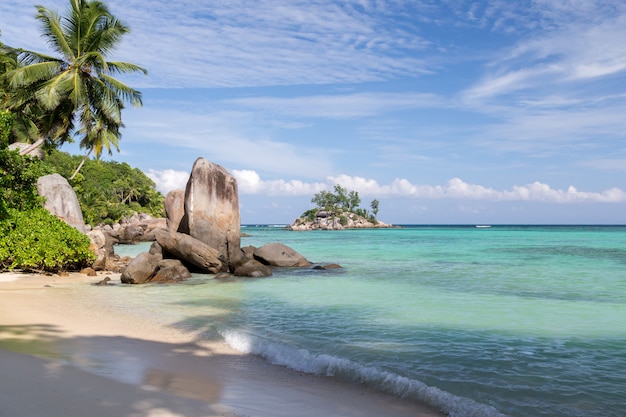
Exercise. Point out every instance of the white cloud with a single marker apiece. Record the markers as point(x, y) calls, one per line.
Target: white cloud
point(168, 179)
point(580, 51)
point(277, 42)
point(251, 183)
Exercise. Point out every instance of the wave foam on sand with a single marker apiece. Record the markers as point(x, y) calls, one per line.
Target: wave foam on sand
point(69, 356)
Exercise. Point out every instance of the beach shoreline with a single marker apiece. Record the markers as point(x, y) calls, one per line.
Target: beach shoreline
point(71, 356)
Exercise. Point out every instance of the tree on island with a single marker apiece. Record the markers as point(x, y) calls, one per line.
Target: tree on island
point(340, 204)
point(374, 205)
point(77, 85)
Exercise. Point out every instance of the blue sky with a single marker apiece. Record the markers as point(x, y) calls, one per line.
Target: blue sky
point(452, 111)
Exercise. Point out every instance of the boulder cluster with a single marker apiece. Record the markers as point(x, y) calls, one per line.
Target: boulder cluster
point(201, 233)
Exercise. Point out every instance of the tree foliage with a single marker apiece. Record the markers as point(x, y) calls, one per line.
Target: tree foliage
point(6, 123)
point(18, 181)
point(108, 190)
point(77, 86)
point(339, 202)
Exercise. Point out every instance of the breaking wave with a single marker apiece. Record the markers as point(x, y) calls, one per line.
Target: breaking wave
point(327, 365)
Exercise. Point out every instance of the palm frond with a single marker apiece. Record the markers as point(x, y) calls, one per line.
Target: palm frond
point(106, 102)
point(31, 74)
point(111, 33)
point(29, 58)
point(52, 29)
point(125, 67)
point(56, 89)
point(126, 93)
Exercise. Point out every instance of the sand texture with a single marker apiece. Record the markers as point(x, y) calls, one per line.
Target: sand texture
point(64, 356)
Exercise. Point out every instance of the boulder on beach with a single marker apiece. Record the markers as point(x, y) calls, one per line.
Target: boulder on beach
point(277, 254)
point(169, 271)
point(212, 209)
point(61, 200)
point(141, 269)
point(190, 250)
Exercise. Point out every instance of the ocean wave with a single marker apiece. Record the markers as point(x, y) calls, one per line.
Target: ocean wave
point(327, 365)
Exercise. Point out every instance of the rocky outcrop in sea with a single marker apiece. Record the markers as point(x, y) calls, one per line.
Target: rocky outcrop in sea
point(325, 220)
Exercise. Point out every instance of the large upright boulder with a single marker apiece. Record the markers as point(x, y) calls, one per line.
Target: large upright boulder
point(174, 208)
point(212, 209)
point(61, 200)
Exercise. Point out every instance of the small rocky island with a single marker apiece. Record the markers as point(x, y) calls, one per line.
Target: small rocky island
point(324, 220)
point(338, 210)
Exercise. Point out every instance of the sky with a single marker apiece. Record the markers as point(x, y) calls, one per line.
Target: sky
point(446, 112)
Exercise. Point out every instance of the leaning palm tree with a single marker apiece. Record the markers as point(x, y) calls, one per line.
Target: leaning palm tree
point(77, 86)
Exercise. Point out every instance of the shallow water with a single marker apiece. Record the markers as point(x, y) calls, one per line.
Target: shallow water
point(517, 321)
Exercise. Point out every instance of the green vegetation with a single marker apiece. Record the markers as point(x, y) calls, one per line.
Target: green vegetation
point(6, 123)
point(340, 203)
point(108, 191)
point(49, 100)
point(18, 179)
point(74, 92)
point(32, 238)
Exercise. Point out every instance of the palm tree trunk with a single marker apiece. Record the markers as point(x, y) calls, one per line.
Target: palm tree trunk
point(37, 144)
point(81, 164)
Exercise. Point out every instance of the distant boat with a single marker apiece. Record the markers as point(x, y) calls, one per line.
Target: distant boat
point(482, 226)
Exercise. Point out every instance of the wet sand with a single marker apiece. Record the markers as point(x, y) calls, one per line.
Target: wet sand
point(69, 356)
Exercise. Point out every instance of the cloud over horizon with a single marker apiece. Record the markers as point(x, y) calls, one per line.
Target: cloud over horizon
point(251, 183)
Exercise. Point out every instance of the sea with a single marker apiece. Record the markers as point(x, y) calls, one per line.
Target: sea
point(477, 321)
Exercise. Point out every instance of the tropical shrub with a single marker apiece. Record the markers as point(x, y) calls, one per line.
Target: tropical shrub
point(35, 240)
point(310, 214)
point(18, 181)
point(30, 237)
point(6, 121)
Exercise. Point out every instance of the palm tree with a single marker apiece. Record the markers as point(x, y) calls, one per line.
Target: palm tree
point(77, 86)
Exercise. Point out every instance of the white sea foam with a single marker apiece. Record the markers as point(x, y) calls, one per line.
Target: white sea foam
point(322, 364)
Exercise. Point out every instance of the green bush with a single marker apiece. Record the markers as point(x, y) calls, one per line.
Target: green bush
point(18, 181)
point(35, 240)
point(6, 121)
point(309, 215)
point(343, 220)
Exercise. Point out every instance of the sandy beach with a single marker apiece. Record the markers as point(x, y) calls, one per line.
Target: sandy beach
point(69, 356)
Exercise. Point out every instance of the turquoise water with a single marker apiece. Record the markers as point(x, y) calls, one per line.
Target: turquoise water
point(515, 321)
